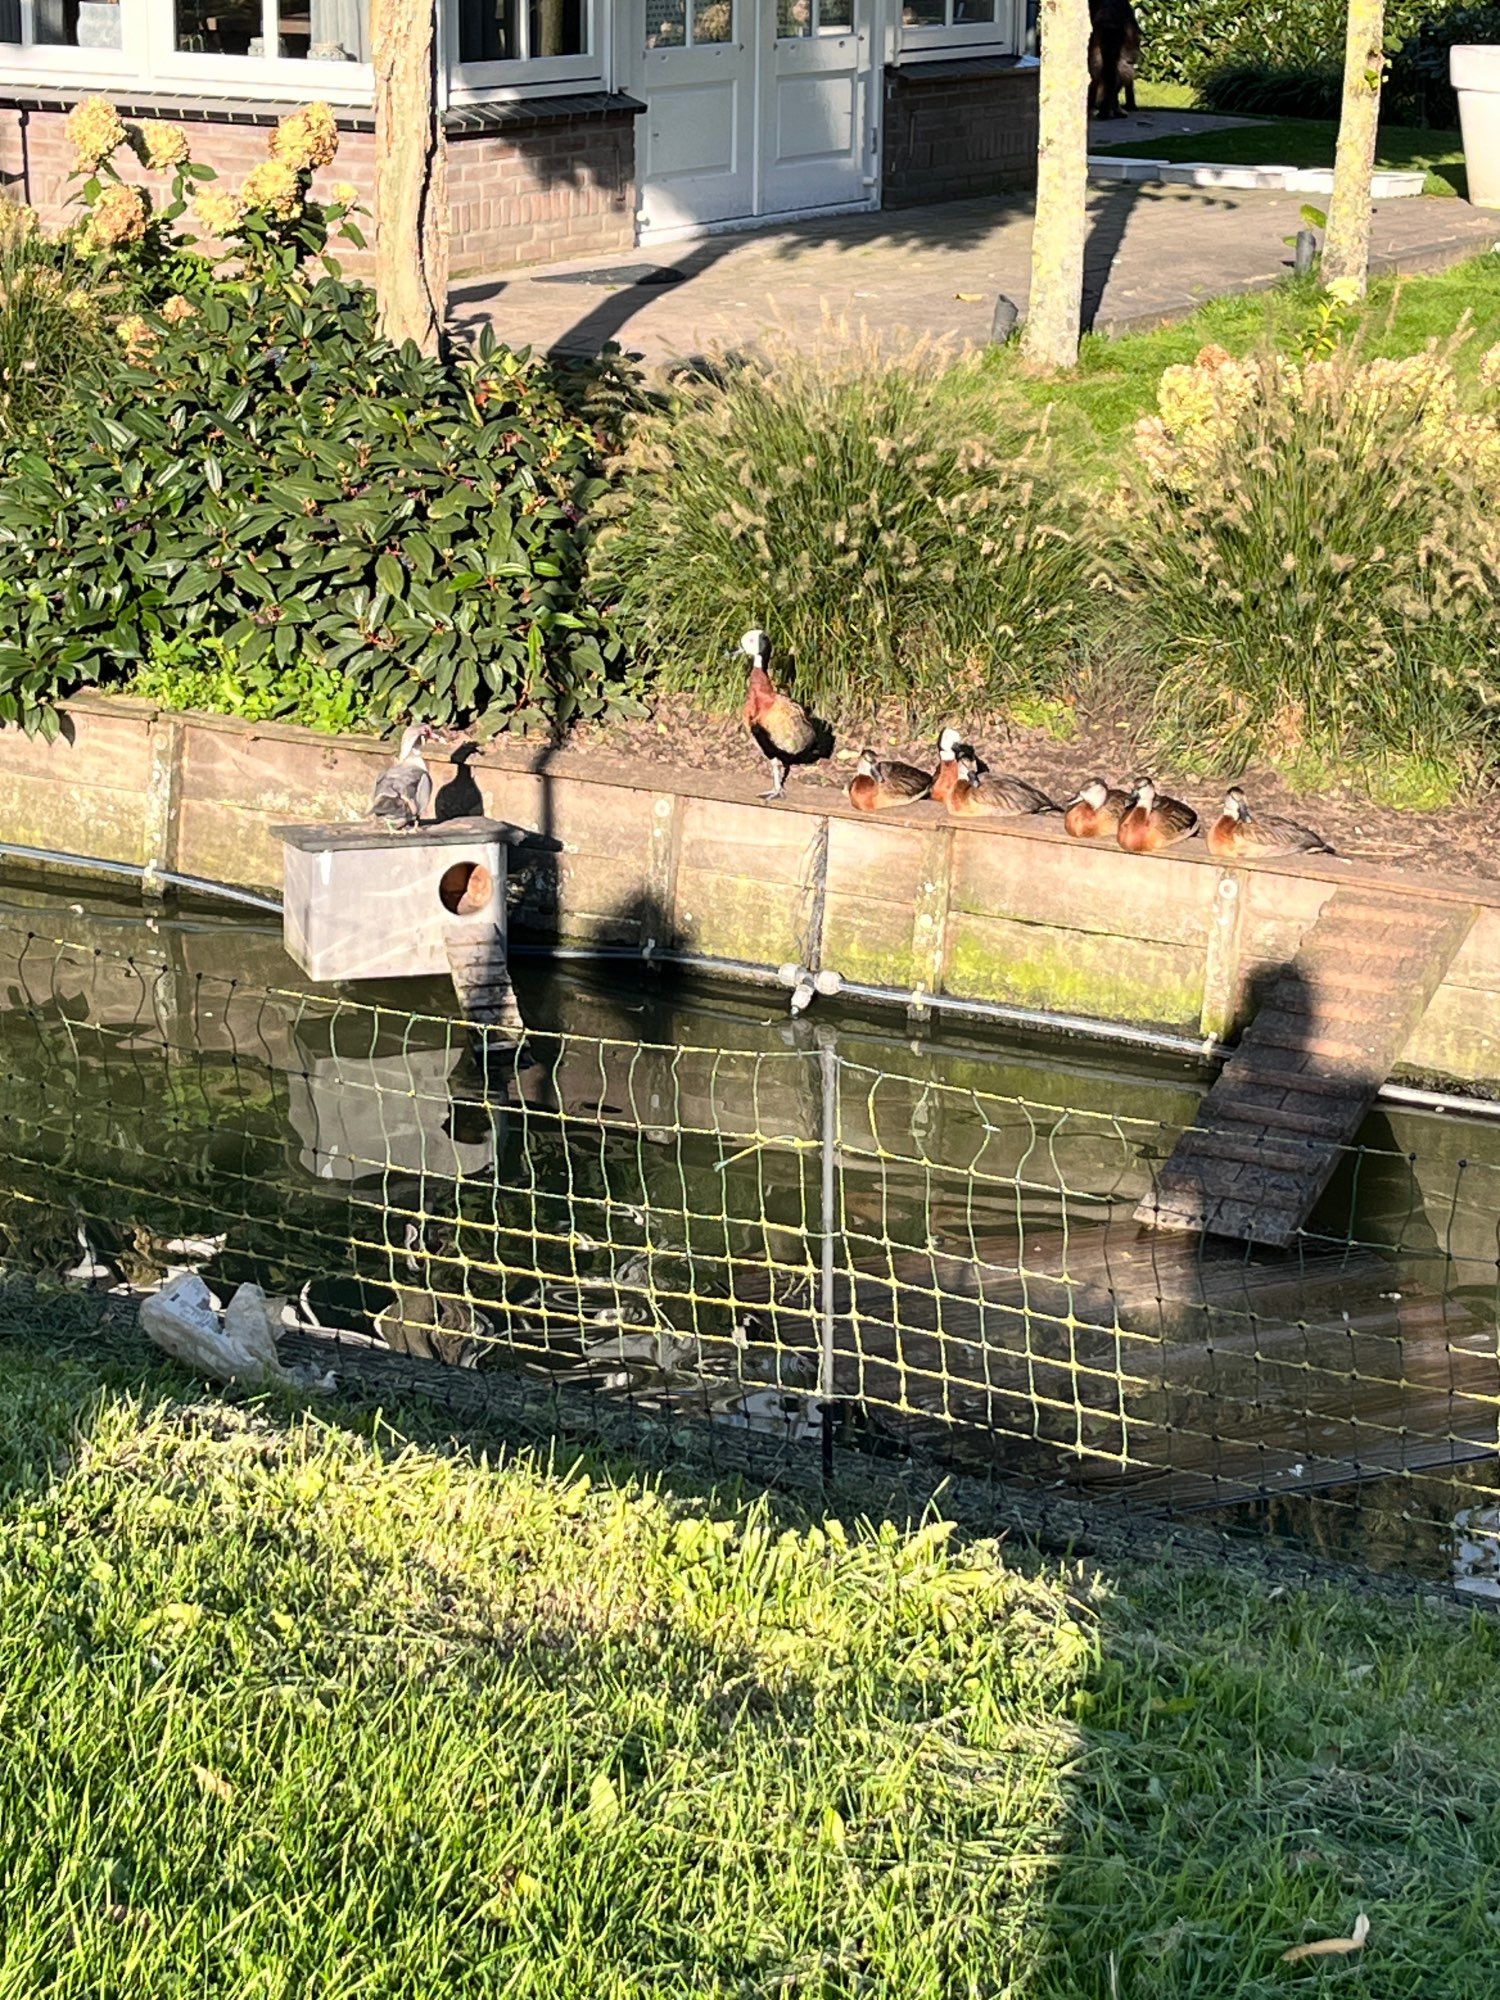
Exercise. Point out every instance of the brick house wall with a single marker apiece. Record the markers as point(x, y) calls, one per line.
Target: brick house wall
point(551, 178)
point(957, 128)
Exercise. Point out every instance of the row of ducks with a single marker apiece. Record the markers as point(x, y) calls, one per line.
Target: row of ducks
point(1142, 820)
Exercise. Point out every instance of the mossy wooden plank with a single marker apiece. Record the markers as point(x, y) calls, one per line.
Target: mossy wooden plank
point(1459, 1036)
point(1075, 972)
point(61, 815)
point(1080, 885)
point(225, 843)
point(739, 917)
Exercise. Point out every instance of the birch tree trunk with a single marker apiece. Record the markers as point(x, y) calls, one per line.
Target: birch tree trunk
point(1049, 338)
point(411, 174)
point(1346, 248)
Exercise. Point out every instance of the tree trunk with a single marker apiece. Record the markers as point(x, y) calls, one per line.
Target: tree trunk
point(1049, 339)
point(1346, 250)
point(411, 174)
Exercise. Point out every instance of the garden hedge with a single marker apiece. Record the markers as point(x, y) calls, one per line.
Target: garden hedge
point(1187, 41)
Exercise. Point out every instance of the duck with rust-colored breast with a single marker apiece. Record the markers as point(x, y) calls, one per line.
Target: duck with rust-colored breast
point(1095, 811)
point(992, 794)
point(1153, 821)
point(780, 728)
point(949, 776)
point(880, 783)
point(1240, 835)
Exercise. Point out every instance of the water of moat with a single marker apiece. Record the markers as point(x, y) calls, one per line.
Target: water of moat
point(630, 1202)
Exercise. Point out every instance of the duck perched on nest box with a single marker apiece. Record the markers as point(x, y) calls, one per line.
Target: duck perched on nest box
point(403, 791)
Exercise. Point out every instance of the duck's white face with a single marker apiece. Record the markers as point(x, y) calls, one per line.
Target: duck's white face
point(412, 741)
point(755, 645)
point(1095, 793)
point(970, 769)
point(1144, 793)
point(1234, 804)
point(948, 744)
point(866, 765)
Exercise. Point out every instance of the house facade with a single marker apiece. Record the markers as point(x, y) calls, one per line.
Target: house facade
point(575, 127)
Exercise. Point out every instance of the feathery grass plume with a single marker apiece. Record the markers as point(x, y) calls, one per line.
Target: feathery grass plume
point(51, 318)
point(1309, 559)
point(897, 542)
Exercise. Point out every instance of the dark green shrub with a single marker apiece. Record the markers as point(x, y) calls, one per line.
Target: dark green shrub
point(270, 475)
point(863, 515)
point(1265, 89)
point(1189, 41)
point(1310, 562)
point(1417, 90)
point(249, 481)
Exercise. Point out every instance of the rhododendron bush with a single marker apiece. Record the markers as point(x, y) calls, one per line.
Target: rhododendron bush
point(242, 476)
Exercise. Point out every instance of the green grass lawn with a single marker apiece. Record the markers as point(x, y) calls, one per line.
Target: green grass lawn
point(1092, 412)
point(305, 1703)
point(1305, 142)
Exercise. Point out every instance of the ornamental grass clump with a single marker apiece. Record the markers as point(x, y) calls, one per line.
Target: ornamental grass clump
point(865, 513)
point(1309, 560)
point(51, 321)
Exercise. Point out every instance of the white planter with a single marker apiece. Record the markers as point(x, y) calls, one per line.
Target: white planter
point(1474, 72)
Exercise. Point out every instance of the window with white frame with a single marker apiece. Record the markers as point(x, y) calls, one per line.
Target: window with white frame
point(526, 41)
point(935, 26)
point(62, 24)
point(270, 48)
point(286, 30)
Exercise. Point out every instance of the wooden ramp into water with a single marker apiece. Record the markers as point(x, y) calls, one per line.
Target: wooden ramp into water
point(1297, 1089)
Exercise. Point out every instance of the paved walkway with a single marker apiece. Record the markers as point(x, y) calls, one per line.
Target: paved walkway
point(1153, 254)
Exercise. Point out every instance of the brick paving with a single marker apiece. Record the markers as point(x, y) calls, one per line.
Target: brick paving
point(1153, 254)
point(1270, 1133)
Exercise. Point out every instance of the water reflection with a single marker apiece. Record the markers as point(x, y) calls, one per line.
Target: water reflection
point(632, 1203)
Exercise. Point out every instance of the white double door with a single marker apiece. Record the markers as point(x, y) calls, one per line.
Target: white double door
point(753, 108)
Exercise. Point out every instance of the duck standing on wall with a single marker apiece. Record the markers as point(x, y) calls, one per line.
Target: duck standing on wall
point(780, 728)
point(1095, 812)
point(1239, 834)
point(993, 795)
point(403, 791)
point(879, 783)
point(1153, 821)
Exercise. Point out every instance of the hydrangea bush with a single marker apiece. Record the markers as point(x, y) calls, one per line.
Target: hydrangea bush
point(252, 481)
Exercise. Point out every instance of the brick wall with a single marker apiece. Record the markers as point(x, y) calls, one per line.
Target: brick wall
point(525, 185)
point(556, 186)
point(955, 128)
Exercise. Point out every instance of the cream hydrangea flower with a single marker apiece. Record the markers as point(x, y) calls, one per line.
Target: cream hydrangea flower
point(119, 216)
point(219, 211)
point(307, 138)
point(95, 130)
point(78, 301)
point(273, 186)
point(136, 337)
point(1345, 291)
point(346, 194)
point(177, 309)
point(160, 145)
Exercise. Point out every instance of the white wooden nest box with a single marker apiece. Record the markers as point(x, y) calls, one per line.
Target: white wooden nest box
point(365, 902)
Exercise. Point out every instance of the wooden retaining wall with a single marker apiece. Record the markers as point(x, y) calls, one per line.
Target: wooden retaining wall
point(635, 853)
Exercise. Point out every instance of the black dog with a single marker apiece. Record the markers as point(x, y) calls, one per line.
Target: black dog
point(1114, 50)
